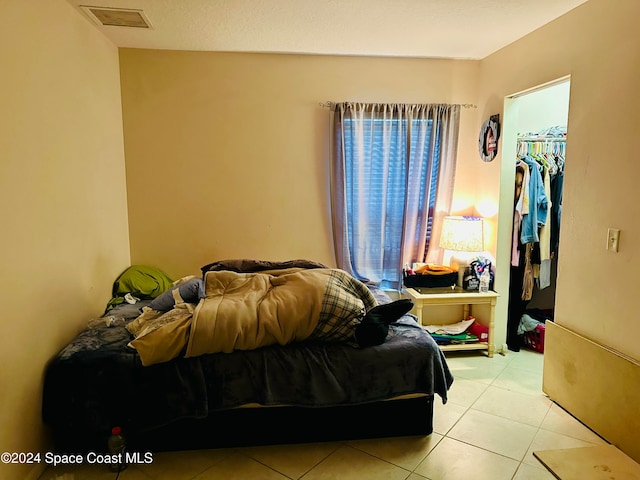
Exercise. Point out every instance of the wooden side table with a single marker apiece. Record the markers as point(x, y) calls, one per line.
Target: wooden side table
point(422, 297)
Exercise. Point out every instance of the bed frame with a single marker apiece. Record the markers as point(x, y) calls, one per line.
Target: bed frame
point(224, 400)
point(249, 426)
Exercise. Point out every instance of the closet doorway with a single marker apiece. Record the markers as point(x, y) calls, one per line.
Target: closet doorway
point(534, 145)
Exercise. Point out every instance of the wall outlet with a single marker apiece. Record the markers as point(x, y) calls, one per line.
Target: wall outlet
point(613, 239)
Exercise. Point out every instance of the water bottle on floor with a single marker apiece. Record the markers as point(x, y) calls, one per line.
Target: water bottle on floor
point(117, 445)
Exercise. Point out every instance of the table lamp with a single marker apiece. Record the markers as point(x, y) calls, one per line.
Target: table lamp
point(465, 236)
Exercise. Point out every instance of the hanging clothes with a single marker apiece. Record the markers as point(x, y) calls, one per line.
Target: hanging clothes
point(538, 204)
point(521, 208)
point(536, 225)
point(544, 278)
point(557, 184)
point(542, 225)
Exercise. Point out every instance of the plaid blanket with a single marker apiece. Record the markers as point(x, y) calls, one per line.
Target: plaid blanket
point(342, 307)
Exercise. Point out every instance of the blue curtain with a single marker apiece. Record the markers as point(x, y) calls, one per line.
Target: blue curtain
point(388, 162)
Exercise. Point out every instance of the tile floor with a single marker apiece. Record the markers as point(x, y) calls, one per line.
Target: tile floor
point(495, 418)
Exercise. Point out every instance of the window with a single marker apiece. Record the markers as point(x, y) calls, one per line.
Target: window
point(388, 166)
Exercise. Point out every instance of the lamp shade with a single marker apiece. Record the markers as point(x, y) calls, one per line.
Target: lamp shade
point(462, 234)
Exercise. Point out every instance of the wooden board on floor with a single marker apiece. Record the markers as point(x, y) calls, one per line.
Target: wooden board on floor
point(595, 384)
point(602, 462)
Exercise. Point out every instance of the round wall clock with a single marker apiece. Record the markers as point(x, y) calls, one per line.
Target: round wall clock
point(488, 139)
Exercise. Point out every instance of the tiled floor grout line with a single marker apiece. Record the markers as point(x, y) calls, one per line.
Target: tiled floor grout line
point(521, 462)
point(531, 444)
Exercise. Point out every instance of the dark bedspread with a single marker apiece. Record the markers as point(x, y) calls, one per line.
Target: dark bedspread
point(97, 382)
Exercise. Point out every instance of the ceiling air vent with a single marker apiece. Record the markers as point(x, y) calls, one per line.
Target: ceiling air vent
point(117, 17)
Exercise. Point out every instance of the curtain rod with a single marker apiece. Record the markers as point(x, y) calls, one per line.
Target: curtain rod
point(461, 105)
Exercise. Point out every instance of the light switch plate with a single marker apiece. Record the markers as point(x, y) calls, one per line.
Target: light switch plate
point(613, 239)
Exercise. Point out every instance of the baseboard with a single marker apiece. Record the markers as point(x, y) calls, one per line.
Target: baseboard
point(596, 384)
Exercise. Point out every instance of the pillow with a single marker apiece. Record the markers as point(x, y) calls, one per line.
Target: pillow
point(191, 291)
point(140, 281)
point(248, 265)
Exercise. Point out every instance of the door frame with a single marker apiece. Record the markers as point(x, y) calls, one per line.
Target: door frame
point(509, 135)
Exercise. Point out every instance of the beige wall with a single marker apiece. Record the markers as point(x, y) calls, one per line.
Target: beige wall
point(62, 200)
point(209, 179)
point(228, 154)
point(598, 45)
point(595, 286)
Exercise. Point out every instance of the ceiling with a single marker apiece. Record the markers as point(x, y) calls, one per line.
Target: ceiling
point(465, 29)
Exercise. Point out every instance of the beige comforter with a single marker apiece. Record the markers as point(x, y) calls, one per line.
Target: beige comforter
point(245, 311)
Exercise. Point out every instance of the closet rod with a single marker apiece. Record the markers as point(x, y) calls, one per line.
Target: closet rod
point(538, 139)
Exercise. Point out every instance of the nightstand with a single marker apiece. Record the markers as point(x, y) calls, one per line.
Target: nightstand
point(422, 297)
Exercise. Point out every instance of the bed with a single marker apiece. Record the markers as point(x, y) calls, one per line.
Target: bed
point(304, 391)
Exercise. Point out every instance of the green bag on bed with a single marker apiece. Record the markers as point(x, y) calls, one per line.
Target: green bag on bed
point(140, 281)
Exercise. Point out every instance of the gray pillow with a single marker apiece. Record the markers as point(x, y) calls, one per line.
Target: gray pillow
point(191, 292)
